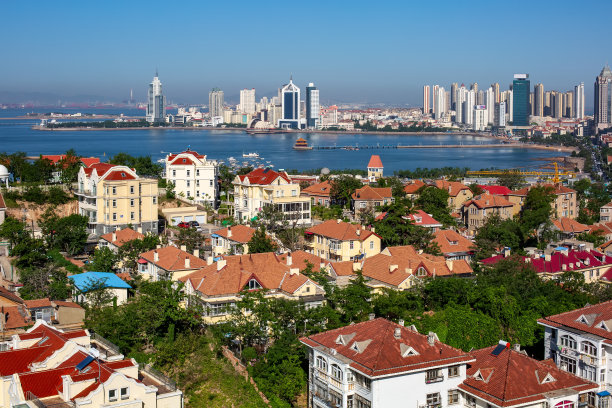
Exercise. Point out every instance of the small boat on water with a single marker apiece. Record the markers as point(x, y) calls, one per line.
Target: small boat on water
point(301, 144)
point(252, 154)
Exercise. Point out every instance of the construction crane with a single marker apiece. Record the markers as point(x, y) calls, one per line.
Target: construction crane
point(547, 174)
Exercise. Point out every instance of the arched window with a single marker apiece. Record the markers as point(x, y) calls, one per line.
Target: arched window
point(321, 363)
point(421, 271)
point(568, 342)
point(589, 348)
point(336, 372)
point(565, 404)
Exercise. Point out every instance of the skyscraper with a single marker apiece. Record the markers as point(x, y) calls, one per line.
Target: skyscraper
point(602, 97)
point(521, 88)
point(247, 100)
point(568, 104)
point(495, 87)
point(538, 100)
point(500, 114)
point(461, 97)
point(215, 102)
point(579, 101)
point(490, 104)
point(556, 104)
point(156, 112)
point(433, 101)
point(453, 96)
point(313, 108)
point(439, 102)
point(426, 100)
point(468, 107)
point(290, 105)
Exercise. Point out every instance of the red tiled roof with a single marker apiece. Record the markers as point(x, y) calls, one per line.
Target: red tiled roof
point(100, 168)
point(512, 378)
point(264, 176)
point(375, 162)
point(413, 187)
point(422, 219)
point(62, 303)
point(372, 193)
point(115, 175)
point(37, 303)
point(195, 154)
point(183, 161)
point(17, 316)
point(569, 225)
point(5, 293)
point(18, 361)
point(573, 261)
point(88, 161)
point(451, 241)
point(594, 319)
point(122, 236)
point(380, 352)
point(320, 190)
point(240, 233)
point(496, 190)
point(173, 259)
point(342, 231)
point(488, 201)
point(452, 187)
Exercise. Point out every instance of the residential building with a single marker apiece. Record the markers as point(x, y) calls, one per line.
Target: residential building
point(569, 227)
point(215, 103)
point(372, 364)
point(114, 196)
point(247, 101)
point(61, 161)
point(499, 119)
point(337, 240)
point(169, 263)
point(579, 342)
point(290, 103)
point(263, 187)
point(319, 193)
point(232, 240)
point(602, 94)
point(411, 189)
point(375, 168)
point(478, 209)
point(481, 118)
point(538, 91)
point(194, 176)
point(458, 193)
point(313, 107)
point(87, 282)
point(605, 212)
point(453, 245)
point(422, 219)
point(521, 88)
point(564, 206)
point(579, 101)
point(439, 102)
point(115, 240)
point(219, 285)
point(490, 104)
point(367, 198)
point(176, 215)
point(503, 376)
point(426, 99)
point(48, 367)
point(156, 102)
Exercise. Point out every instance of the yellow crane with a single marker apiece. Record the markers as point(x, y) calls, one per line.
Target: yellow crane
point(548, 174)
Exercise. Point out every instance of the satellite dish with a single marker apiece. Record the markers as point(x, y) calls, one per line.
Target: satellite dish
point(325, 171)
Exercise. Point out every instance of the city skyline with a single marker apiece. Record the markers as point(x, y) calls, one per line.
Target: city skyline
point(108, 55)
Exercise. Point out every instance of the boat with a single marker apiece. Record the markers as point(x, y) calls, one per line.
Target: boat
point(301, 144)
point(252, 154)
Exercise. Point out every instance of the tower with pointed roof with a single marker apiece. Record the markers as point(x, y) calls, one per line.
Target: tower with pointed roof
point(156, 101)
point(290, 106)
point(375, 168)
point(602, 95)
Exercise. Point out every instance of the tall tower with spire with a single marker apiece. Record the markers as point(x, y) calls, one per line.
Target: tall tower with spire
point(603, 92)
point(290, 105)
point(156, 109)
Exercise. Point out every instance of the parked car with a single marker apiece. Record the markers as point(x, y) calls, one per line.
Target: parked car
point(183, 225)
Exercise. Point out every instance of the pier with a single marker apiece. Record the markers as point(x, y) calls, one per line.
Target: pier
point(444, 146)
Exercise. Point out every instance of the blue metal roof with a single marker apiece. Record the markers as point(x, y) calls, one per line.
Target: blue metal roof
point(84, 281)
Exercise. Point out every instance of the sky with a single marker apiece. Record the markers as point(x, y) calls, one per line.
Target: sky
point(354, 51)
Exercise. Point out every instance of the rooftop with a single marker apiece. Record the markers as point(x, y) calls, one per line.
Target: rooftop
point(87, 280)
point(171, 258)
point(594, 319)
point(340, 230)
point(372, 193)
point(122, 236)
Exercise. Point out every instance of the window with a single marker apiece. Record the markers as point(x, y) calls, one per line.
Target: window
point(253, 284)
point(568, 342)
point(371, 244)
point(125, 393)
point(197, 183)
point(453, 371)
point(336, 372)
point(131, 202)
point(568, 364)
point(188, 183)
point(351, 244)
point(112, 395)
point(197, 172)
point(173, 173)
point(188, 173)
point(154, 200)
point(588, 373)
point(217, 309)
point(470, 401)
point(433, 400)
point(114, 203)
point(114, 216)
point(131, 189)
point(293, 193)
point(211, 183)
point(453, 397)
point(565, 404)
point(132, 216)
point(335, 398)
point(43, 340)
point(321, 363)
point(114, 190)
point(433, 376)
point(421, 271)
point(589, 348)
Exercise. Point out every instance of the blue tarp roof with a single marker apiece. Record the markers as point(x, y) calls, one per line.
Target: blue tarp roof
point(84, 281)
point(603, 393)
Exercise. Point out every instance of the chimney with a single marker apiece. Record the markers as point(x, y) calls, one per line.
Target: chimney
point(413, 328)
point(409, 271)
point(139, 229)
point(196, 253)
point(397, 333)
point(158, 246)
point(358, 232)
point(564, 267)
point(155, 256)
point(449, 265)
point(587, 261)
point(371, 316)
point(294, 271)
point(338, 221)
point(187, 263)
point(420, 251)
point(392, 268)
point(517, 346)
point(209, 260)
point(431, 338)
point(487, 202)
point(401, 322)
point(356, 266)
point(221, 264)
point(571, 265)
point(372, 230)
point(229, 232)
point(289, 259)
point(547, 257)
point(114, 236)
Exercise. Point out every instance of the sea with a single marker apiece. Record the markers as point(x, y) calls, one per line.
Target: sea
point(274, 150)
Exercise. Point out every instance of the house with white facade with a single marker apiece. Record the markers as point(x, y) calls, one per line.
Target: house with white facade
point(194, 176)
point(580, 342)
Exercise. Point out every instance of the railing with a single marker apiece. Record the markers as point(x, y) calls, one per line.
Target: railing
point(112, 348)
point(167, 382)
point(335, 383)
point(41, 404)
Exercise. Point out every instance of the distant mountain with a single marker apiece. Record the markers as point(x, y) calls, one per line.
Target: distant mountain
point(46, 98)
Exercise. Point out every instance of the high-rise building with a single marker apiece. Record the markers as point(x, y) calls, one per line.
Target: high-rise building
point(247, 100)
point(433, 100)
point(447, 101)
point(538, 99)
point(474, 87)
point(426, 99)
point(568, 104)
point(495, 87)
point(290, 103)
point(531, 104)
point(500, 114)
point(439, 103)
point(461, 97)
point(510, 105)
point(603, 92)
point(156, 102)
point(313, 108)
point(453, 96)
point(556, 104)
point(579, 101)
point(468, 107)
point(490, 104)
point(521, 88)
point(481, 118)
point(480, 97)
point(215, 102)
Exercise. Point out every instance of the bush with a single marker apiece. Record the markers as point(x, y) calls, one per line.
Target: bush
point(57, 196)
point(35, 194)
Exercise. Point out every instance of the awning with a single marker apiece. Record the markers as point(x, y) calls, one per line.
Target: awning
point(603, 394)
point(142, 261)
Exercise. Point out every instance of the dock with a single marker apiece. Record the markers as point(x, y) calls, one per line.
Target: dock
point(444, 146)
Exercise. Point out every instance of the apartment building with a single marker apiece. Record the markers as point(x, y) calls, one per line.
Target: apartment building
point(580, 342)
point(263, 187)
point(46, 367)
point(565, 204)
point(194, 176)
point(219, 285)
point(605, 213)
point(379, 364)
point(232, 240)
point(337, 240)
point(458, 193)
point(367, 198)
point(319, 193)
point(113, 197)
point(478, 209)
point(169, 263)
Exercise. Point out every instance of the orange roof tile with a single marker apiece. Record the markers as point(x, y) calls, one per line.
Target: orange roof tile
point(37, 303)
point(342, 231)
point(488, 201)
point(372, 193)
point(375, 162)
point(451, 241)
point(122, 236)
point(569, 225)
point(240, 233)
point(593, 319)
point(413, 187)
point(320, 190)
point(452, 187)
point(173, 259)
point(264, 176)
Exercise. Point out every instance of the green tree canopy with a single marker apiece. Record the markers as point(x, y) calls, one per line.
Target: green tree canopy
point(511, 180)
point(342, 188)
point(434, 201)
point(261, 242)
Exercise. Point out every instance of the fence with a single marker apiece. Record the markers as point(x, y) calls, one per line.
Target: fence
point(167, 382)
point(112, 349)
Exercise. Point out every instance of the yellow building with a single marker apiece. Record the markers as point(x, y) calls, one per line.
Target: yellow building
point(336, 240)
point(477, 210)
point(262, 187)
point(458, 193)
point(113, 197)
point(375, 168)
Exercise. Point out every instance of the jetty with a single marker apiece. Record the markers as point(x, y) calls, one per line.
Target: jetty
point(445, 146)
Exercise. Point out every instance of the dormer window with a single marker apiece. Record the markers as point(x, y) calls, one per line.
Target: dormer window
point(184, 160)
point(123, 175)
point(253, 285)
point(407, 351)
point(421, 271)
point(453, 242)
point(548, 379)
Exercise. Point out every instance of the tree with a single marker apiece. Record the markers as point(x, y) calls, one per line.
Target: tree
point(536, 211)
point(434, 201)
point(511, 180)
point(342, 188)
point(103, 260)
point(260, 242)
point(67, 234)
point(13, 230)
point(69, 167)
point(476, 189)
point(129, 252)
point(143, 165)
point(397, 187)
point(190, 238)
point(497, 233)
point(48, 281)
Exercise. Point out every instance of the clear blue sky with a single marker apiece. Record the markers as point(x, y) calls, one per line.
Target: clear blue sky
point(357, 51)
